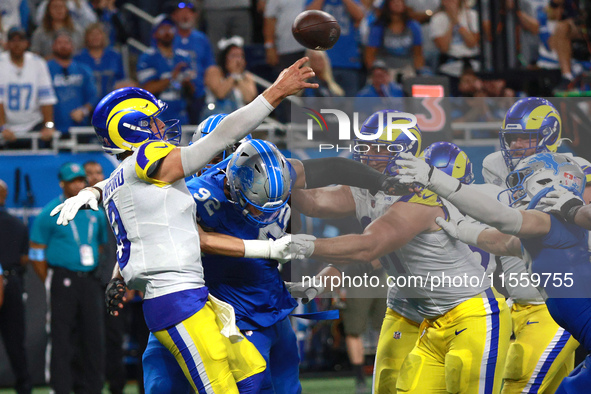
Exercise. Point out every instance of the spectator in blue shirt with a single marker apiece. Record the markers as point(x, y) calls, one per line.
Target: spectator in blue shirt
point(197, 45)
point(74, 86)
point(396, 39)
point(106, 63)
point(166, 72)
point(345, 56)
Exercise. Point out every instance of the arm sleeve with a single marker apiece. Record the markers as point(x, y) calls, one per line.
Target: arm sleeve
point(341, 171)
point(478, 205)
point(226, 134)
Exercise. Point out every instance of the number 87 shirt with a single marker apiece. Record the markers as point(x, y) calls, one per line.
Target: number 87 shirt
point(23, 90)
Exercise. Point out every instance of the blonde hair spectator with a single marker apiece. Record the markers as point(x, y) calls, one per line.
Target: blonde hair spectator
point(320, 63)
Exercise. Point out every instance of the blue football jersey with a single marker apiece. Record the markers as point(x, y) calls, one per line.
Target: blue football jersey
point(560, 254)
point(107, 70)
point(252, 286)
point(74, 87)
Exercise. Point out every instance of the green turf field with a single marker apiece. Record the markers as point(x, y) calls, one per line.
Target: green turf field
point(340, 385)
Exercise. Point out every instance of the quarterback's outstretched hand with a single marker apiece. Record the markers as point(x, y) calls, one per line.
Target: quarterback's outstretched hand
point(115, 296)
point(69, 208)
point(562, 202)
point(306, 292)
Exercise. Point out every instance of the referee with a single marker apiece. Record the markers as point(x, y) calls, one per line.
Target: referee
point(14, 247)
point(66, 258)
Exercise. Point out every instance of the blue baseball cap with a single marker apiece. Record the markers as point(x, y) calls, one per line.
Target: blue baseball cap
point(70, 171)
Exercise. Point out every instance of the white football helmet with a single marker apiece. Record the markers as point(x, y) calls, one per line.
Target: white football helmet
point(537, 175)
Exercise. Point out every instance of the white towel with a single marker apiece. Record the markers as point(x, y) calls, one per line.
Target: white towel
point(225, 312)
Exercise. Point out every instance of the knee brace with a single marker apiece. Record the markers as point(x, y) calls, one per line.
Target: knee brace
point(517, 361)
point(410, 372)
point(457, 370)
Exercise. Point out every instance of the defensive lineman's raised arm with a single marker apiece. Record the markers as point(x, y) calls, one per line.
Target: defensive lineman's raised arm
point(524, 224)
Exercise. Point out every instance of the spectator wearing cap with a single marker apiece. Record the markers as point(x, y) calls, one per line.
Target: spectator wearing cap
point(74, 86)
point(26, 93)
point(66, 257)
point(230, 86)
point(380, 83)
point(345, 56)
point(396, 38)
point(166, 72)
point(196, 44)
point(56, 18)
point(105, 62)
point(14, 249)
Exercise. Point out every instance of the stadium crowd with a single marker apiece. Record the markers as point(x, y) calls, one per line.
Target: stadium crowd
point(59, 58)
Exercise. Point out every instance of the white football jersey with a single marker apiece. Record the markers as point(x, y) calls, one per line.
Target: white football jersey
point(158, 249)
point(428, 255)
point(24, 90)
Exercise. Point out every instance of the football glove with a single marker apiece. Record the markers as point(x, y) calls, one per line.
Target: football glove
point(563, 203)
point(69, 208)
point(306, 293)
point(114, 296)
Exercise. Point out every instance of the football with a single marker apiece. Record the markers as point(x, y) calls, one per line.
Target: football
point(316, 30)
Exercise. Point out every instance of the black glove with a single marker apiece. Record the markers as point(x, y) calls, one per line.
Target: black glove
point(390, 185)
point(114, 296)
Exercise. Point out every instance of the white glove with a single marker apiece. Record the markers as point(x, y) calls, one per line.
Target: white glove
point(69, 208)
point(284, 249)
point(302, 246)
point(462, 230)
point(306, 293)
point(415, 171)
point(563, 203)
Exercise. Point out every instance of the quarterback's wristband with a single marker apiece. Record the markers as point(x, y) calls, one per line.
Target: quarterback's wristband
point(256, 249)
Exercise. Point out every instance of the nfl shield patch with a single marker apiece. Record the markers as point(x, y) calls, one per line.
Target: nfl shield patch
point(397, 335)
point(373, 203)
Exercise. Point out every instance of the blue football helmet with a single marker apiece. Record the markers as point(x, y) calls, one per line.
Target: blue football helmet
point(124, 119)
point(259, 179)
point(537, 175)
point(533, 120)
point(449, 158)
point(390, 145)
